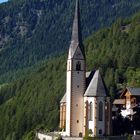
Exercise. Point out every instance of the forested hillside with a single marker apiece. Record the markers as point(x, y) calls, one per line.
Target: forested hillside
point(116, 51)
point(33, 101)
point(33, 30)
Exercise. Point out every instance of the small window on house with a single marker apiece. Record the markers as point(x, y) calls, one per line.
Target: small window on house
point(134, 100)
point(100, 111)
point(78, 66)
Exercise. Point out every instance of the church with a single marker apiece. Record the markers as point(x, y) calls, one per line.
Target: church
point(86, 104)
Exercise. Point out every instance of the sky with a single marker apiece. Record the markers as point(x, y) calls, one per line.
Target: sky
point(1, 1)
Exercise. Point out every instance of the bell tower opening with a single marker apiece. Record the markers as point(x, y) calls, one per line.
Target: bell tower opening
point(78, 66)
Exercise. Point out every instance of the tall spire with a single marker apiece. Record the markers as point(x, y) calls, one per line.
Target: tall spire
point(76, 39)
point(76, 32)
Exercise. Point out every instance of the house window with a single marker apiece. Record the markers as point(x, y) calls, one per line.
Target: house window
point(91, 111)
point(78, 66)
point(100, 111)
point(134, 101)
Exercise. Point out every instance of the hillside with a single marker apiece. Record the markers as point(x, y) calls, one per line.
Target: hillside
point(116, 51)
point(34, 30)
point(33, 101)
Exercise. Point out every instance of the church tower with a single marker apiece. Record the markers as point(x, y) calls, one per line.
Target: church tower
point(75, 85)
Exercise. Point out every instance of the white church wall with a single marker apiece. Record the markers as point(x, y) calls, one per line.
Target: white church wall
point(78, 85)
point(75, 91)
point(68, 97)
point(95, 123)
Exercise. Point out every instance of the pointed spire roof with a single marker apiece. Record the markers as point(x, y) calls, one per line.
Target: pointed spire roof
point(76, 39)
point(96, 86)
point(76, 31)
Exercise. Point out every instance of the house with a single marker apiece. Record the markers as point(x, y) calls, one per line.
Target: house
point(128, 102)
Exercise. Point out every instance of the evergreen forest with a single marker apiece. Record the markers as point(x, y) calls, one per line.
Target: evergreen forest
point(35, 30)
point(33, 54)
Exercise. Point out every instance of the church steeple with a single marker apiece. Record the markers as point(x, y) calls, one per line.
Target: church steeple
point(75, 87)
point(76, 32)
point(76, 40)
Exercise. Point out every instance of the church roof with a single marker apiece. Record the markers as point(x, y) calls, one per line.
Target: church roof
point(96, 86)
point(63, 100)
point(88, 74)
point(76, 40)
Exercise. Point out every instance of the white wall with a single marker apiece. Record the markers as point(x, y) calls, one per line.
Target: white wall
point(41, 136)
point(75, 91)
point(95, 122)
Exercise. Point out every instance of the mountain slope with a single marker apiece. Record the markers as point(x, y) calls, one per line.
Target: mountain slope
point(34, 30)
point(33, 101)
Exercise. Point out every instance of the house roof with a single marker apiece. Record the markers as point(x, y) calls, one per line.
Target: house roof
point(119, 102)
point(96, 86)
point(63, 100)
point(133, 91)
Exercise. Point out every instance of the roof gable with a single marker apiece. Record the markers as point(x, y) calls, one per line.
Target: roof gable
point(132, 91)
point(96, 86)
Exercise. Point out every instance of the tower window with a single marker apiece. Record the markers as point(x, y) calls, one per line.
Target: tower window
point(100, 131)
point(100, 111)
point(78, 66)
point(91, 111)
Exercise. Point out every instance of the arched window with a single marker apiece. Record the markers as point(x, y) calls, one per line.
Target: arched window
point(78, 66)
point(91, 111)
point(100, 111)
